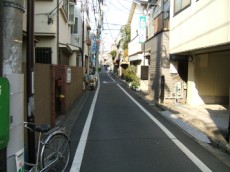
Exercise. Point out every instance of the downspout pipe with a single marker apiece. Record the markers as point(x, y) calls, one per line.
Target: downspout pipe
point(83, 35)
point(29, 80)
point(58, 4)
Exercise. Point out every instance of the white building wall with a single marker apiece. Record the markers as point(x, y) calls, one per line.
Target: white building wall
point(41, 26)
point(64, 30)
point(203, 24)
point(41, 13)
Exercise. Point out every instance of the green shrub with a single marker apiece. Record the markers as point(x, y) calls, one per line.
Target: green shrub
point(130, 76)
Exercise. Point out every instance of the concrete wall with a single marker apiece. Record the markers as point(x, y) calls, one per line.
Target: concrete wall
point(202, 24)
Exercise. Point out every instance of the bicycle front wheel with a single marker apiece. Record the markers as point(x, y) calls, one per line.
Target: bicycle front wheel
point(55, 153)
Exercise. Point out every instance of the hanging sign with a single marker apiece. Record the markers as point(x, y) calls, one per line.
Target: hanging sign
point(142, 29)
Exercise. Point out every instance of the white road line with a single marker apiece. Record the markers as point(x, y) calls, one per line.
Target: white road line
point(111, 77)
point(76, 164)
point(181, 146)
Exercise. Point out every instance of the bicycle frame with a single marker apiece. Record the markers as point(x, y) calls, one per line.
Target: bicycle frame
point(57, 130)
point(42, 143)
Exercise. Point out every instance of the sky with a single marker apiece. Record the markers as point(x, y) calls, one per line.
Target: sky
point(116, 14)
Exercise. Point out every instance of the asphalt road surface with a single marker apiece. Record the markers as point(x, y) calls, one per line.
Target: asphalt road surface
point(119, 132)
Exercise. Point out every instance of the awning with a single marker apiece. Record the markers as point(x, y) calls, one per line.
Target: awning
point(74, 48)
point(44, 34)
point(69, 48)
point(65, 48)
point(136, 57)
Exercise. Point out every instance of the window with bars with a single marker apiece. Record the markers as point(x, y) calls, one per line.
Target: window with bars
point(43, 55)
point(180, 5)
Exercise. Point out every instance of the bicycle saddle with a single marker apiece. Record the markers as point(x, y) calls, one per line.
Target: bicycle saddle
point(42, 128)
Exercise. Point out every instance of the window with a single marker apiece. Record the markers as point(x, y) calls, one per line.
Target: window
point(43, 55)
point(74, 28)
point(65, 6)
point(180, 5)
point(166, 15)
point(71, 13)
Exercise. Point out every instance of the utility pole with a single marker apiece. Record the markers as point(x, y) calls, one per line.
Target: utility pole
point(2, 151)
point(12, 70)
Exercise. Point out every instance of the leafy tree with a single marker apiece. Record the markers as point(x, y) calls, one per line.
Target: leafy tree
point(113, 53)
point(125, 36)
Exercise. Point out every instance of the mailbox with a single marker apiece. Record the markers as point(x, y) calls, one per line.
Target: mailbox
point(4, 112)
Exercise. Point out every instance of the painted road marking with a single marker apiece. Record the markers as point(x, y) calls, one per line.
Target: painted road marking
point(76, 164)
point(181, 146)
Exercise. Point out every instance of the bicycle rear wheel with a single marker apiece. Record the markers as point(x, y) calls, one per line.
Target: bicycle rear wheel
point(55, 153)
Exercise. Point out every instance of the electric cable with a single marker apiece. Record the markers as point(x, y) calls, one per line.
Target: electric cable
point(109, 30)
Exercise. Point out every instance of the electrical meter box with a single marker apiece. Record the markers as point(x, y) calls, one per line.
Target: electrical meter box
point(4, 112)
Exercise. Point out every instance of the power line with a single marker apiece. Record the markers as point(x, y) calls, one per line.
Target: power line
point(113, 24)
point(109, 29)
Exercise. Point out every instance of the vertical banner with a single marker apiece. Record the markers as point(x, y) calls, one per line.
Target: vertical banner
point(94, 44)
point(142, 29)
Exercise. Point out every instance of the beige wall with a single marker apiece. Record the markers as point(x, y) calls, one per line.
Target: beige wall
point(209, 78)
point(203, 24)
point(74, 89)
point(213, 76)
point(42, 93)
point(64, 27)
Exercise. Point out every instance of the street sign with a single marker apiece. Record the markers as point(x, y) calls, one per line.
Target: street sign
point(4, 112)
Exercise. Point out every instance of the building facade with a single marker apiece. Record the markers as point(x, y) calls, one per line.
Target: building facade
point(136, 53)
point(202, 37)
point(163, 80)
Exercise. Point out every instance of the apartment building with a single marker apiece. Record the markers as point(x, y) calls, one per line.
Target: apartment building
point(58, 67)
point(163, 80)
point(200, 34)
point(136, 53)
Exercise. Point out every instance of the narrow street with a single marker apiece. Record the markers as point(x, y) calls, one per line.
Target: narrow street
point(119, 132)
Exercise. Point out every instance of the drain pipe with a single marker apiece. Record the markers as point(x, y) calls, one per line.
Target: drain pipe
point(29, 74)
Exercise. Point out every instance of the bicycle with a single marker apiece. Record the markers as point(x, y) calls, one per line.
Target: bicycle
point(53, 152)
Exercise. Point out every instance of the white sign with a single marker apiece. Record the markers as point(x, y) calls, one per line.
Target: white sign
point(68, 75)
point(19, 156)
